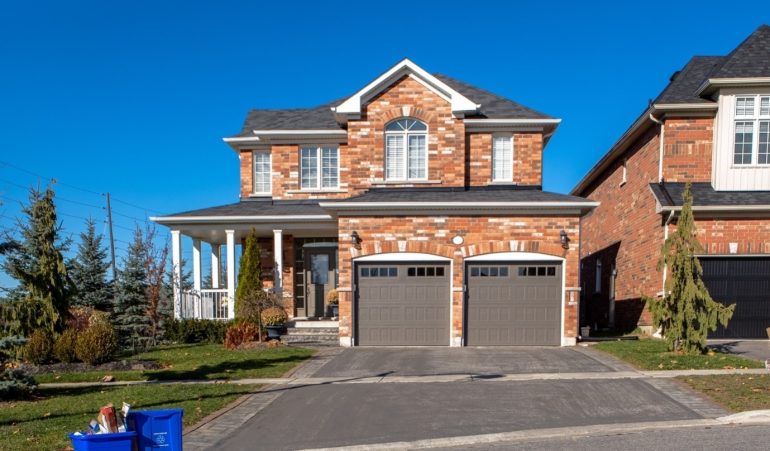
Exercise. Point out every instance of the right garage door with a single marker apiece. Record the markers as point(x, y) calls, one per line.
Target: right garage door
point(745, 282)
point(514, 304)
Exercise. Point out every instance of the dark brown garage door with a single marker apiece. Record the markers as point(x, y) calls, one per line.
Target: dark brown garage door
point(403, 304)
point(512, 304)
point(745, 282)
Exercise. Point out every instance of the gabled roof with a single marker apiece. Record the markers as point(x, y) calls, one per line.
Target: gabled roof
point(492, 106)
point(750, 59)
point(684, 83)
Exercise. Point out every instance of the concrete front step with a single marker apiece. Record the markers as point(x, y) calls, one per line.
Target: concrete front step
point(311, 338)
point(312, 324)
point(314, 331)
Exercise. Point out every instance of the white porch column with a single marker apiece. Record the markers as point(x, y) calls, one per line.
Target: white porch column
point(197, 265)
point(176, 260)
point(278, 256)
point(231, 272)
point(215, 266)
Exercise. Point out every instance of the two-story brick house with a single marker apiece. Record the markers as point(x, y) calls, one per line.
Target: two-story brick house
point(710, 126)
point(419, 199)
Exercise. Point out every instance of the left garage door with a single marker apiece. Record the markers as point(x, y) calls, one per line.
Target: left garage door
point(403, 304)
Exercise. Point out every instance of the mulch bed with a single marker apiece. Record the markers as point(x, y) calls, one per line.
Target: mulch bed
point(120, 365)
point(257, 346)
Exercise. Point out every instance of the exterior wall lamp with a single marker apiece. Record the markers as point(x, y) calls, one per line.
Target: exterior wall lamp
point(564, 239)
point(355, 240)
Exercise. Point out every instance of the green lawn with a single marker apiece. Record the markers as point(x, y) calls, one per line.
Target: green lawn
point(651, 355)
point(43, 424)
point(200, 361)
point(739, 392)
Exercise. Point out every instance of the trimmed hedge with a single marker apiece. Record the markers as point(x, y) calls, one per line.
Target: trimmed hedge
point(197, 330)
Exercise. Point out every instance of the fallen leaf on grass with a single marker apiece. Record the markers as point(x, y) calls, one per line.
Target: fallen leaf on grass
point(57, 377)
point(728, 367)
point(660, 366)
point(723, 358)
point(751, 378)
point(757, 390)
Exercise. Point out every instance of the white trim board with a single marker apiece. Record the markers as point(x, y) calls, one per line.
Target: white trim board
point(401, 256)
point(514, 257)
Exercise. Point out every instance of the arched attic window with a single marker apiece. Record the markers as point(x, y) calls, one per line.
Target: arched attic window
point(406, 152)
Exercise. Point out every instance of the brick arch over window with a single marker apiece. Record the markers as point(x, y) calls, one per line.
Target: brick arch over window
point(443, 250)
point(404, 112)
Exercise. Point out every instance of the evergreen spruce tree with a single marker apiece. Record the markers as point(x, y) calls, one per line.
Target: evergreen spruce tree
point(131, 319)
point(89, 271)
point(250, 272)
point(45, 287)
point(686, 311)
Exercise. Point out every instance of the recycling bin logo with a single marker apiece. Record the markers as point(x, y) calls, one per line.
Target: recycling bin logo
point(160, 439)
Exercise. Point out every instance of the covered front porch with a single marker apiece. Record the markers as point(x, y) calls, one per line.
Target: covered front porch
point(298, 254)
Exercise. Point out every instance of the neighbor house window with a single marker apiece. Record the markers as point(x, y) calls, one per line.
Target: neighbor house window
point(262, 172)
point(752, 130)
point(406, 150)
point(319, 167)
point(502, 158)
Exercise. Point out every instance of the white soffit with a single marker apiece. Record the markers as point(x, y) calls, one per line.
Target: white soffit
point(351, 108)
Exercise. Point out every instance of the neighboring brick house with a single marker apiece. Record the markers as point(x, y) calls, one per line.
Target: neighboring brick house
point(714, 119)
point(419, 200)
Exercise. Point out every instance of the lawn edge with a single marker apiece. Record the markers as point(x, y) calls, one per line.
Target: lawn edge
point(214, 415)
point(291, 371)
point(659, 369)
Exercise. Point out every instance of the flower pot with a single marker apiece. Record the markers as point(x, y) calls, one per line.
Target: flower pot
point(273, 332)
point(335, 310)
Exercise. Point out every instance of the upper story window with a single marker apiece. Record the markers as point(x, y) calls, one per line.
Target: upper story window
point(406, 153)
point(263, 169)
point(319, 167)
point(752, 131)
point(502, 158)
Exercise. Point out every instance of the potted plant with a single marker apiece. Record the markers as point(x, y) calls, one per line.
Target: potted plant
point(273, 319)
point(333, 299)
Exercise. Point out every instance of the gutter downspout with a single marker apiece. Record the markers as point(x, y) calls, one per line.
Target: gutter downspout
point(660, 157)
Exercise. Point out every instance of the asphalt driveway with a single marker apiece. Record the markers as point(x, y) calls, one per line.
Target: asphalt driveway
point(372, 362)
point(750, 349)
point(357, 414)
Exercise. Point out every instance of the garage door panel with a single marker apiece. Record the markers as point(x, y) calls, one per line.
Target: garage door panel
point(412, 310)
point(514, 309)
point(745, 282)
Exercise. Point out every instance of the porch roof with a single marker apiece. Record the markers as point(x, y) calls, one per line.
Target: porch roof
point(256, 209)
point(669, 197)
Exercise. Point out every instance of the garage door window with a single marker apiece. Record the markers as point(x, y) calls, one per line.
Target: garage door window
point(537, 271)
point(489, 271)
point(427, 271)
point(379, 272)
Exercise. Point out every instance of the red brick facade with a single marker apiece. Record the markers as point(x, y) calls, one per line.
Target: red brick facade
point(687, 149)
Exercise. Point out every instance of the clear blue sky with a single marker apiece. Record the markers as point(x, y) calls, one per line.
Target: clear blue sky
point(134, 97)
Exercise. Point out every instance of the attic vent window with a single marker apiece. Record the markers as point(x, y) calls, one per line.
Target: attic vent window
point(406, 152)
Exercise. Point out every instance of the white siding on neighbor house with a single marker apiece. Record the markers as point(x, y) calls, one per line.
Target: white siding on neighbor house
point(725, 174)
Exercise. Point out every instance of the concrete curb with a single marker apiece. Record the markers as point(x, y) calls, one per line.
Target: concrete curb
point(752, 416)
point(535, 434)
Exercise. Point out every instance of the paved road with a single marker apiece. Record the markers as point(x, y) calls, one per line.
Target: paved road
point(370, 362)
point(751, 349)
point(720, 438)
point(356, 414)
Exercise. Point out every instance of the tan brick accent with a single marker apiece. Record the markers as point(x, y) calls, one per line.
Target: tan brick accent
point(433, 235)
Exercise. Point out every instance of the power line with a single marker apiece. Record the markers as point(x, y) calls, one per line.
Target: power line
point(136, 206)
point(131, 217)
point(50, 178)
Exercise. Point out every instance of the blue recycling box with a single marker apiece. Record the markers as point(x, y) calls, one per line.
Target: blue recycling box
point(157, 430)
point(123, 441)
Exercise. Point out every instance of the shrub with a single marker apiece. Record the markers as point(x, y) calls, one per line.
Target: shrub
point(65, 347)
point(79, 318)
point(274, 316)
point(14, 384)
point(39, 348)
point(96, 345)
point(196, 330)
point(240, 333)
point(333, 298)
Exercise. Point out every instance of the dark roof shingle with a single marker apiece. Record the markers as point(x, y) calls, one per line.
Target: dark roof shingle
point(750, 59)
point(491, 194)
point(683, 85)
point(703, 194)
point(258, 208)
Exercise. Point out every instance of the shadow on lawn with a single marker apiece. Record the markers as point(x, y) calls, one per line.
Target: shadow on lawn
point(219, 371)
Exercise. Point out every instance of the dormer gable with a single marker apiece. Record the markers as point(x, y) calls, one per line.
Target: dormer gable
point(351, 108)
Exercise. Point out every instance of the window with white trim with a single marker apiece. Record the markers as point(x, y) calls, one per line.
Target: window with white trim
point(502, 158)
point(319, 167)
point(406, 150)
point(751, 144)
point(263, 168)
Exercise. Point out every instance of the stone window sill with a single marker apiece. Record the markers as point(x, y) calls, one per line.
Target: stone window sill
point(502, 183)
point(316, 191)
point(405, 182)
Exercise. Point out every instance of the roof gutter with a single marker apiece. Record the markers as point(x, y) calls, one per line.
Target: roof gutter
point(712, 84)
point(719, 208)
point(168, 220)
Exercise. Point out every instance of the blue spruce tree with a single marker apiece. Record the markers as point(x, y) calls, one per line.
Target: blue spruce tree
point(89, 271)
point(131, 319)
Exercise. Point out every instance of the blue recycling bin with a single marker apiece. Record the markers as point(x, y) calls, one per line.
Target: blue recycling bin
point(123, 441)
point(157, 430)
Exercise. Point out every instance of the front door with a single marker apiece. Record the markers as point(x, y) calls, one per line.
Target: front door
point(319, 277)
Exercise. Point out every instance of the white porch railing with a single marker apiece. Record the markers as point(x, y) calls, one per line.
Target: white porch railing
point(205, 304)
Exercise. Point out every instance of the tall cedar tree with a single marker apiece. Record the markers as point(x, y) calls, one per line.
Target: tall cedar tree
point(250, 272)
point(155, 258)
point(686, 311)
point(45, 287)
point(89, 271)
point(132, 305)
